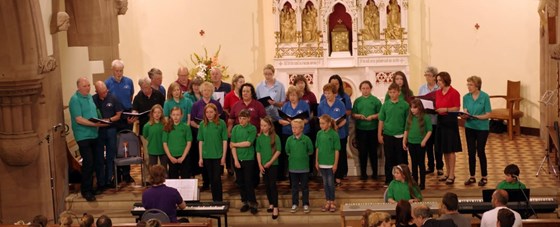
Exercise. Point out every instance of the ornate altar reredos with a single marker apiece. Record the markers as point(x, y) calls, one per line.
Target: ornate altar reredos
point(357, 39)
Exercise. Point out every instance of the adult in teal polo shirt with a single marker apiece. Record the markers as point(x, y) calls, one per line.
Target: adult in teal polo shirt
point(82, 108)
point(476, 103)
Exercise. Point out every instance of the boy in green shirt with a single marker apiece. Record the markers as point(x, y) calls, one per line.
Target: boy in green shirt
point(390, 132)
point(298, 149)
point(242, 137)
point(512, 178)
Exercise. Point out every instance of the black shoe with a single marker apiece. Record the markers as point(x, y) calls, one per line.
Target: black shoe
point(440, 172)
point(275, 216)
point(429, 170)
point(254, 210)
point(422, 187)
point(89, 197)
point(110, 185)
point(99, 190)
point(205, 188)
point(375, 177)
point(129, 180)
point(244, 208)
point(269, 209)
point(363, 178)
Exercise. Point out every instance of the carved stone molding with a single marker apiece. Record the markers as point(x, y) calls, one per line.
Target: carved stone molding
point(18, 139)
point(47, 64)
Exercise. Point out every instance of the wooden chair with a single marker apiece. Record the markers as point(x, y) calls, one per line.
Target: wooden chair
point(511, 113)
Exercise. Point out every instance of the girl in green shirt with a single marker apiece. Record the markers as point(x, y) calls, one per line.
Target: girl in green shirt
point(212, 144)
point(268, 148)
point(328, 145)
point(177, 139)
point(153, 133)
point(403, 187)
point(418, 130)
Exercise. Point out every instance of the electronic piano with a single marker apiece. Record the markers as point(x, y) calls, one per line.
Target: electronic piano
point(540, 205)
point(194, 209)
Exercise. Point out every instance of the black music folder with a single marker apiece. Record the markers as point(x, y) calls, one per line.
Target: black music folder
point(430, 96)
point(97, 120)
point(264, 101)
point(338, 120)
point(462, 115)
point(303, 115)
point(515, 195)
point(134, 114)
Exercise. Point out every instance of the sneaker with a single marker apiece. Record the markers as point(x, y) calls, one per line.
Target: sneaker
point(306, 209)
point(294, 208)
point(244, 208)
point(440, 172)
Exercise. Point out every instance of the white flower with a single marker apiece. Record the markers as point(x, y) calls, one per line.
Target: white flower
point(202, 67)
point(200, 74)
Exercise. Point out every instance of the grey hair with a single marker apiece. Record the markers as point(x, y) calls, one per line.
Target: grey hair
point(432, 70)
point(421, 211)
point(145, 80)
point(117, 63)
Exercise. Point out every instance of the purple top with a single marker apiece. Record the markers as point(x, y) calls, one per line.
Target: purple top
point(163, 198)
point(197, 111)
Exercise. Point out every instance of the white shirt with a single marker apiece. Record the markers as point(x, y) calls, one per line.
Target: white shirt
point(490, 218)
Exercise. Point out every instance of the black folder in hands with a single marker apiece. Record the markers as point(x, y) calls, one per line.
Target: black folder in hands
point(338, 120)
point(97, 120)
point(264, 101)
point(196, 120)
point(430, 96)
point(303, 115)
point(462, 115)
point(135, 114)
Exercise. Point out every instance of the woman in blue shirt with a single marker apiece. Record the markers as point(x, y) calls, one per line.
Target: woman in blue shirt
point(476, 103)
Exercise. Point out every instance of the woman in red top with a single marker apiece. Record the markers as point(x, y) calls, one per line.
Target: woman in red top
point(447, 135)
point(233, 96)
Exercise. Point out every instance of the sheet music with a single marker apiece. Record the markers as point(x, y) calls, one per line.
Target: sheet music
point(219, 96)
point(188, 188)
point(428, 104)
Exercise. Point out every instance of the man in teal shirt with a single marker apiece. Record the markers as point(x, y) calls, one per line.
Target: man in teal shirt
point(82, 108)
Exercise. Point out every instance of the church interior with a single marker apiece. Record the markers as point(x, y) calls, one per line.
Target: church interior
point(49, 44)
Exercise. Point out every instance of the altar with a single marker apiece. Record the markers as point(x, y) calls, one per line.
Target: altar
point(356, 39)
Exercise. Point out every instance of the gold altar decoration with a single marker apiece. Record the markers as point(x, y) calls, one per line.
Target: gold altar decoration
point(287, 24)
point(339, 36)
point(309, 20)
point(371, 21)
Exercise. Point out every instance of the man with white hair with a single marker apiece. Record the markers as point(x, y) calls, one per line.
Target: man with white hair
point(82, 108)
point(122, 87)
point(146, 98)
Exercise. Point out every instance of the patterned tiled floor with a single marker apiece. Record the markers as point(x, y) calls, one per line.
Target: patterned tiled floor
point(525, 151)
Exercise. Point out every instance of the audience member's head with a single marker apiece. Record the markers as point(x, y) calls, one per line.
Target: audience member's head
point(86, 220)
point(375, 219)
point(403, 213)
point(420, 213)
point(104, 221)
point(450, 201)
point(506, 218)
point(40, 220)
point(153, 223)
point(157, 174)
point(500, 198)
point(65, 219)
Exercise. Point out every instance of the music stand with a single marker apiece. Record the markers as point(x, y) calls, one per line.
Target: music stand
point(515, 195)
point(547, 99)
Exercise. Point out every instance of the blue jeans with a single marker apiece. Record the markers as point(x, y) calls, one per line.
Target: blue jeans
point(300, 179)
point(328, 182)
point(106, 141)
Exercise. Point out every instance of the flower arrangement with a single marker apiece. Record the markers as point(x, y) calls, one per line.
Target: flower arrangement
point(203, 65)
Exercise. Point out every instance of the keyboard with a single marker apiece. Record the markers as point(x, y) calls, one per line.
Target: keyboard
point(192, 209)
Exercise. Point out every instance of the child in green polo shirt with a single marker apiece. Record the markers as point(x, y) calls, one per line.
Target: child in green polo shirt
point(298, 149)
point(212, 144)
point(328, 145)
point(153, 132)
point(177, 139)
point(390, 131)
point(512, 178)
point(242, 137)
point(268, 150)
point(403, 187)
point(418, 131)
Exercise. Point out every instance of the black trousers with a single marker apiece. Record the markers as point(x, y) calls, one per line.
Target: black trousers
point(87, 147)
point(342, 169)
point(214, 172)
point(182, 170)
point(367, 148)
point(435, 157)
point(270, 175)
point(394, 155)
point(417, 154)
point(245, 181)
point(476, 145)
